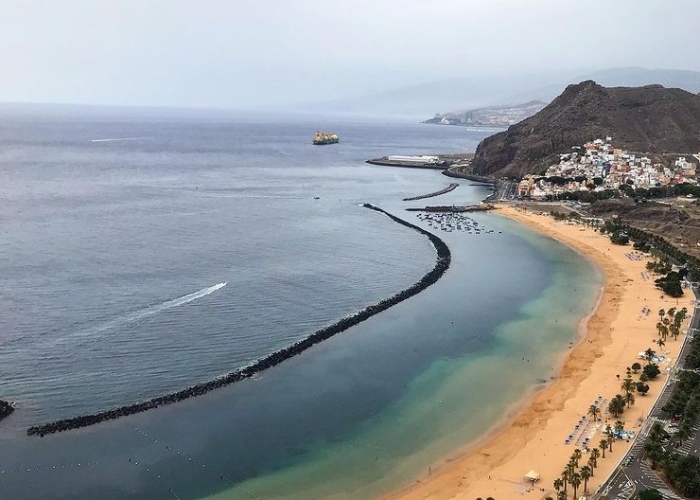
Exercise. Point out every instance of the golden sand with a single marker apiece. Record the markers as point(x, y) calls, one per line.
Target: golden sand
point(534, 439)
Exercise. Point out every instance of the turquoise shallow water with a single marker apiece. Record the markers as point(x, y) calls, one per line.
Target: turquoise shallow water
point(454, 401)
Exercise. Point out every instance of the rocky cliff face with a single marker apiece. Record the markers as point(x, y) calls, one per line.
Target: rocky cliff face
point(643, 119)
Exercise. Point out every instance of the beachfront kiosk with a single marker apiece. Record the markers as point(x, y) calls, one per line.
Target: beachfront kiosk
point(532, 476)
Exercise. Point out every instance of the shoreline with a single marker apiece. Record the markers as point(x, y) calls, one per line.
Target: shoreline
point(531, 434)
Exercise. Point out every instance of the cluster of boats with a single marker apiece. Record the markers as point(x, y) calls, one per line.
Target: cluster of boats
point(449, 221)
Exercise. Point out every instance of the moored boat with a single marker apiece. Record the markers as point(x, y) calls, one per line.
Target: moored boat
point(322, 138)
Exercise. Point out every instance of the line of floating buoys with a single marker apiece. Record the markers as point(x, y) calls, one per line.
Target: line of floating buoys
point(194, 462)
point(441, 265)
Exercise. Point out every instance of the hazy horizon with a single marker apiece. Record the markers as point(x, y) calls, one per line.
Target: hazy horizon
point(279, 53)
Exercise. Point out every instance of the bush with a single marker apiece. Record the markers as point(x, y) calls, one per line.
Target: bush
point(651, 371)
point(651, 494)
point(619, 238)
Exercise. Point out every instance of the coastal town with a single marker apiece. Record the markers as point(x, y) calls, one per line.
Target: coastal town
point(600, 166)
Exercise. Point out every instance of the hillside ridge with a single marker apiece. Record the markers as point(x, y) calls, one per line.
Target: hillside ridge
point(652, 119)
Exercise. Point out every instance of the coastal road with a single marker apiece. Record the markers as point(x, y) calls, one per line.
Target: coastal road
point(505, 190)
point(637, 476)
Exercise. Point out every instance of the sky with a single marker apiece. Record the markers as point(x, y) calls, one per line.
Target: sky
point(248, 53)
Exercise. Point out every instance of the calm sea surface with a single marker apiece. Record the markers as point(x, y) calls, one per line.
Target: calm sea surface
point(143, 253)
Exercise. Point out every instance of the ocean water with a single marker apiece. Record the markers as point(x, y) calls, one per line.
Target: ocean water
point(142, 253)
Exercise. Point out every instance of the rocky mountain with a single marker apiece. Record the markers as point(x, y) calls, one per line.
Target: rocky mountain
point(612, 77)
point(650, 119)
point(616, 77)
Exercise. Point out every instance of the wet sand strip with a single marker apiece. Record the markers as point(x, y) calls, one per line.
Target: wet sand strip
point(441, 265)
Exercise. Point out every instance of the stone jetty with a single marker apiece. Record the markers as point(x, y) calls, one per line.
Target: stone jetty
point(449, 188)
point(441, 265)
point(482, 207)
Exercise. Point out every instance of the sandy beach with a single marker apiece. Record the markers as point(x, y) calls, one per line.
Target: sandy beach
point(534, 437)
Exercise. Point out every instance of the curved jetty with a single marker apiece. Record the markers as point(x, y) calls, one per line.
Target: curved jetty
point(441, 265)
point(481, 207)
point(449, 188)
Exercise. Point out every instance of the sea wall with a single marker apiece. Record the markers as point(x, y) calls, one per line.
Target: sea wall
point(441, 265)
point(449, 188)
point(458, 174)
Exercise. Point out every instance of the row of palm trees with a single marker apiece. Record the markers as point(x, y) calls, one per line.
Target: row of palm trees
point(570, 476)
point(617, 404)
point(663, 247)
point(670, 324)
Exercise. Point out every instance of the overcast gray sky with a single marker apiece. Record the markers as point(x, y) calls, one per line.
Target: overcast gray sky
point(241, 53)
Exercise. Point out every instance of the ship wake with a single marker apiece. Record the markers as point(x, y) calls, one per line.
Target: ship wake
point(96, 331)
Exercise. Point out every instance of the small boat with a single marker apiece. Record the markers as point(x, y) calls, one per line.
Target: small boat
point(322, 138)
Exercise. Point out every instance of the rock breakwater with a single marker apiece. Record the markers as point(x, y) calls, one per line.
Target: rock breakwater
point(6, 409)
point(449, 188)
point(441, 265)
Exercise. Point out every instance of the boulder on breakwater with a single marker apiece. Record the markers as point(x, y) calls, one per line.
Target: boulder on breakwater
point(6, 409)
point(441, 265)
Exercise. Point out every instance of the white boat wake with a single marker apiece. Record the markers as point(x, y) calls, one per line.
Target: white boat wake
point(118, 139)
point(91, 332)
point(168, 304)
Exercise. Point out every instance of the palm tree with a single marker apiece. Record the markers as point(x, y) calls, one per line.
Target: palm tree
point(591, 463)
point(659, 328)
point(621, 401)
point(666, 322)
point(564, 477)
point(558, 484)
point(660, 342)
point(619, 426)
point(675, 330)
point(662, 313)
point(562, 495)
point(603, 445)
point(611, 436)
point(570, 468)
point(671, 313)
point(629, 398)
point(628, 385)
point(575, 481)
point(594, 412)
point(586, 474)
point(616, 406)
point(576, 456)
point(595, 455)
point(649, 355)
point(684, 431)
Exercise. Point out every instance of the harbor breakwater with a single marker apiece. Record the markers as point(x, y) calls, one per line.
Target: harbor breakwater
point(449, 188)
point(442, 263)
